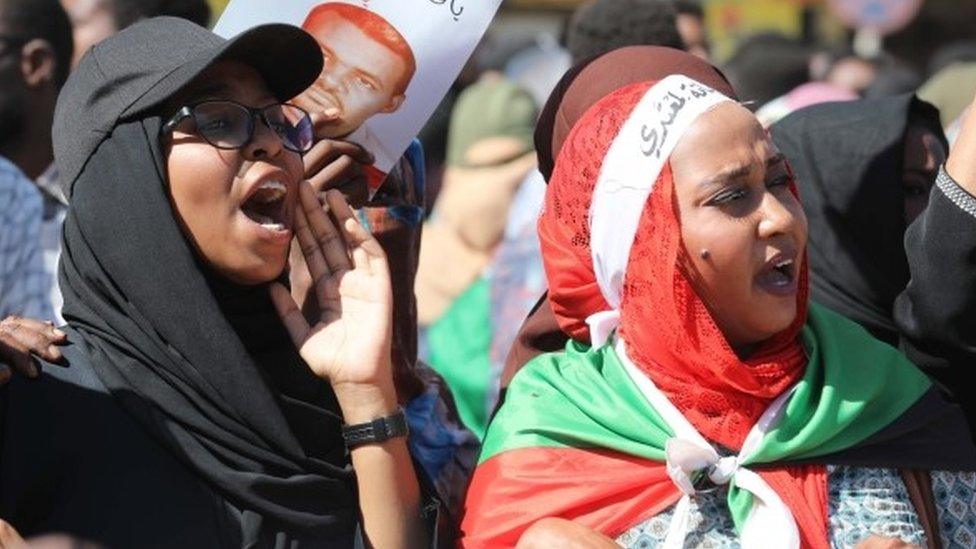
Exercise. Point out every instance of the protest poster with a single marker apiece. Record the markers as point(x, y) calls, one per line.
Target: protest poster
point(388, 63)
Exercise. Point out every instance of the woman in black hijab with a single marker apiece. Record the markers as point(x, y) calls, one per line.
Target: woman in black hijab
point(892, 234)
point(865, 169)
point(185, 416)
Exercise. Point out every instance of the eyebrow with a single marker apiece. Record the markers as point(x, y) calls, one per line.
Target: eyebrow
point(740, 171)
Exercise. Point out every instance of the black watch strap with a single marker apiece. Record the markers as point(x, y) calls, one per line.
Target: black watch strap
point(378, 430)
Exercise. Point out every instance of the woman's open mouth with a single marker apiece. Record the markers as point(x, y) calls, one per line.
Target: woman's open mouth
point(266, 207)
point(779, 276)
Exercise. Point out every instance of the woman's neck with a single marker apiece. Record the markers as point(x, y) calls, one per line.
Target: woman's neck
point(745, 351)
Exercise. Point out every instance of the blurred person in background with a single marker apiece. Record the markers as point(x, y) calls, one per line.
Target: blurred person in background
point(766, 66)
point(959, 51)
point(841, 77)
point(539, 66)
point(490, 56)
point(96, 20)
point(490, 153)
point(852, 72)
point(951, 76)
point(804, 95)
point(690, 21)
point(894, 78)
point(35, 37)
point(23, 283)
point(950, 90)
point(605, 25)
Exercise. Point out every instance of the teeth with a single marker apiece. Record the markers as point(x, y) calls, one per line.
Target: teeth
point(267, 222)
point(275, 185)
point(786, 263)
point(270, 191)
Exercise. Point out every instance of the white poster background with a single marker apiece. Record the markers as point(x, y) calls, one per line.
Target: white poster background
point(442, 34)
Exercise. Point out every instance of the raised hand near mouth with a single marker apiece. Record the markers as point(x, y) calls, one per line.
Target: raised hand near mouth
point(349, 345)
point(349, 342)
point(331, 164)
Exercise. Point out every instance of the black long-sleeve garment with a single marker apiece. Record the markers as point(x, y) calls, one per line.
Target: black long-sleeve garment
point(936, 314)
point(72, 461)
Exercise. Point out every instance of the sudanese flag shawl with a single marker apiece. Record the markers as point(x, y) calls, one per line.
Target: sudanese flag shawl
point(648, 403)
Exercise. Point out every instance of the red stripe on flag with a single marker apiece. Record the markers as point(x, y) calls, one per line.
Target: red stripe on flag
point(603, 490)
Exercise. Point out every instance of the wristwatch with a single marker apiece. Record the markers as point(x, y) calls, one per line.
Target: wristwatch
point(378, 430)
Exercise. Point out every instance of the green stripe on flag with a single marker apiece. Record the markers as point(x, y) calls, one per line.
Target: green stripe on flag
point(580, 398)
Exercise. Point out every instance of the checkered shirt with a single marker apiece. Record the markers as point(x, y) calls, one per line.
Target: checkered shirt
point(24, 284)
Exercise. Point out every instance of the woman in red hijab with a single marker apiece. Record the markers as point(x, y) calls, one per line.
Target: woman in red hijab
point(702, 400)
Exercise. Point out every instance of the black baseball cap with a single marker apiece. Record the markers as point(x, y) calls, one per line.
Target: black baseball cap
point(141, 67)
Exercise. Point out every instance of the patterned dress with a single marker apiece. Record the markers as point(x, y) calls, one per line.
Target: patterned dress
point(862, 502)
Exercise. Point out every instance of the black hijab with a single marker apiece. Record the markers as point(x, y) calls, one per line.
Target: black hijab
point(848, 159)
point(203, 365)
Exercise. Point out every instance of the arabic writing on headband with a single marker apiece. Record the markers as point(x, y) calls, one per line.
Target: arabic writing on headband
point(668, 107)
point(455, 6)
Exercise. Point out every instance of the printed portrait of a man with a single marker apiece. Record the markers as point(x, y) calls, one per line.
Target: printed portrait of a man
point(368, 66)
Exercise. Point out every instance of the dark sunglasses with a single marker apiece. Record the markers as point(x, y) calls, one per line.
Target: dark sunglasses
point(230, 125)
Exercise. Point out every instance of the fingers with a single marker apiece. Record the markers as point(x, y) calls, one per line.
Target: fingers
point(9, 538)
point(14, 351)
point(335, 174)
point(291, 316)
point(39, 337)
point(318, 267)
point(333, 164)
point(326, 235)
point(18, 355)
point(328, 151)
point(366, 251)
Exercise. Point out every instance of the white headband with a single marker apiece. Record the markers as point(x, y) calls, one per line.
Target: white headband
point(632, 165)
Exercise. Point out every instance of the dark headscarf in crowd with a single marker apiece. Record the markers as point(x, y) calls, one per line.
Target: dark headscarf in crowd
point(583, 86)
point(203, 365)
point(848, 159)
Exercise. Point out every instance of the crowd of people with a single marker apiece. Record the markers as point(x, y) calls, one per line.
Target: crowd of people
point(613, 294)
